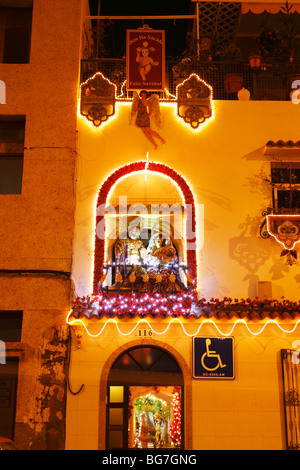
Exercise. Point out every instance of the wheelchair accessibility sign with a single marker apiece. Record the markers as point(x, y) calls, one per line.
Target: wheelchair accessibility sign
point(213, 357)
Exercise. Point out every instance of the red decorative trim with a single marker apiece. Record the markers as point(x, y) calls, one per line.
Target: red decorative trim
point(113, 304)
point(101, 201)
point(186, 305)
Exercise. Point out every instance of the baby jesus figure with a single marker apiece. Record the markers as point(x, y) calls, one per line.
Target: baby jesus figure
point(144, 60)
point(163, 252)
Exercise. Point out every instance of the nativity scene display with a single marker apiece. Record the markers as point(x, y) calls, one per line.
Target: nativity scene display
point(146, 257)
point(155, 418)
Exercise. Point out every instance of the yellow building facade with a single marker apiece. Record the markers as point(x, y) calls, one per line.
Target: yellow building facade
point(104, 365)
point(246, 412)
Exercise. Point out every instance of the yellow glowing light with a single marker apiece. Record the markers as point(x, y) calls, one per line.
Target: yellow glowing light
point(146, 166)
point(143, 172)
point(282, 217)
point(173, 102)
point(177, 320)
point(122, 96)
point(170, 94)
point(184, 225)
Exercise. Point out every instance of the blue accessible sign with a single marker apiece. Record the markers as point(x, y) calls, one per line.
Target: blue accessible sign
point(213, 357)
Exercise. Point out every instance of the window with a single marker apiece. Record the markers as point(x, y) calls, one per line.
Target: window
point(148, 243)
point(10, 331)
point(15, 34)
point(290, 360)
point(10, 325)
point(8, 396)
point(12, 132)
point(285, 180)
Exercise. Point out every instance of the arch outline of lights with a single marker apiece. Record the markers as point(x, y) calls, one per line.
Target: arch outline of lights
point(103, 194)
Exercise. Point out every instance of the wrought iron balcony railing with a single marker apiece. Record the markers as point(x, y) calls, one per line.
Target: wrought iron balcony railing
point(269, 82)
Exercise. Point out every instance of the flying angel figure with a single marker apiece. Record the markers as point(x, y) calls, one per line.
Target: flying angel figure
point(144, 107)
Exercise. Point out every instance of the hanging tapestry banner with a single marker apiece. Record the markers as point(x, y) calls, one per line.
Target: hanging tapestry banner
point(145, 59)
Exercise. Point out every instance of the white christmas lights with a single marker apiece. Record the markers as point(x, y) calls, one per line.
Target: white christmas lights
point(177, 320)
point(282, 216)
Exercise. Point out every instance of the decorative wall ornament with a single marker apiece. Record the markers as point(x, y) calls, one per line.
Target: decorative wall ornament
point(97, 99)
point(285, 229)
point(194, 101)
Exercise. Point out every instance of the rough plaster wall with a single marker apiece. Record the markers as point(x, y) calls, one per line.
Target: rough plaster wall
point(43, 426)
point(38, 229)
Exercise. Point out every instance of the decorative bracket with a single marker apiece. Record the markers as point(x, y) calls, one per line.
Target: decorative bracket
point(263, 229)
point(98, 96)
point(285, 229)
point(97, 99)
point(194, 101)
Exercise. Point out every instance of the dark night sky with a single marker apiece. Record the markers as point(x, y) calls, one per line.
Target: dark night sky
point(176, 30)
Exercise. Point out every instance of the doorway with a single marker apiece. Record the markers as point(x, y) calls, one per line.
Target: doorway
point(145, 396)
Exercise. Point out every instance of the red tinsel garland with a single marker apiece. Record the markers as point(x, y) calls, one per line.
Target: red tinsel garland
point(124, 304)
point(132, 304)
point(102, 197)
point(175, 427)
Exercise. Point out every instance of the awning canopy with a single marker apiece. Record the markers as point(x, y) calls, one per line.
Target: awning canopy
point(283, 149)
point(268, 7)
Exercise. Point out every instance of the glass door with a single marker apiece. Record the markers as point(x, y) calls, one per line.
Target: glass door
point(145, 401)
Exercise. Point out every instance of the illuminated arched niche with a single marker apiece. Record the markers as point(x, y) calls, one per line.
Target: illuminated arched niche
point(143, 184)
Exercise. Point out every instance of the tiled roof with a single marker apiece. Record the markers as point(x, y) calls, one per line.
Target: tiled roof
point(221, 315)
point(281, 143)
point(224, 309)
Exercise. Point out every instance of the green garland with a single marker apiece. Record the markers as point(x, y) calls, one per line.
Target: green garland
point(153, 405)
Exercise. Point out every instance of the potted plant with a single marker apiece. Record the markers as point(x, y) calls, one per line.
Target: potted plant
point(255, 60)
point(233, 81)
point(205, 43)
point(269, 43)
point(228, 53)
point(290, 30)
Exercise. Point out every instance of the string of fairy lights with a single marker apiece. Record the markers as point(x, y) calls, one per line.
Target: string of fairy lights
point(171, 100)
point(207, 321)
point(169, 306)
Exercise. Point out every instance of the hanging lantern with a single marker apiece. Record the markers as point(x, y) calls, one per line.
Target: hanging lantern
point(291, 256)
point(255, 61)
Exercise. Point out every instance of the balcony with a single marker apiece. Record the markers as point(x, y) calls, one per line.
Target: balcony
point(269, 82)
